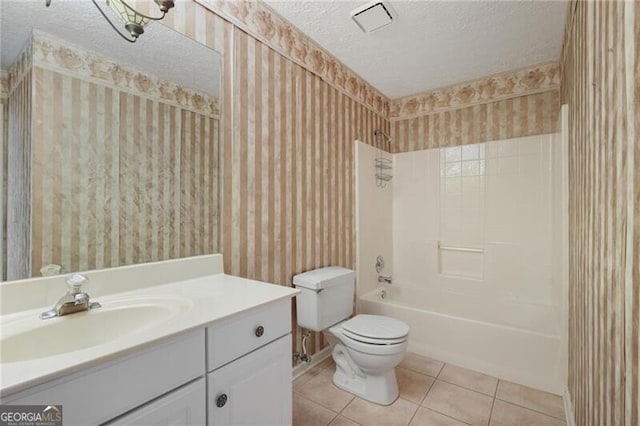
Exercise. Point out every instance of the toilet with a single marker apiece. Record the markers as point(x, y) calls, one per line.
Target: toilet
point(370, 347)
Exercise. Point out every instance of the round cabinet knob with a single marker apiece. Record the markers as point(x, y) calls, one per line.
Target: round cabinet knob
point(221, 400)
point(259, 331)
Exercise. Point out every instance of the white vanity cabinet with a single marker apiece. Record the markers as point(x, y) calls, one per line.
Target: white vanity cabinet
point(98, 394)
point(249, 359)
point(181, 381)
point(255, 389)
point(183, 407)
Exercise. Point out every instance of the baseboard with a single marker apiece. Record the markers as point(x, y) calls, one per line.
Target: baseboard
point(316, 359)
point(568, 408)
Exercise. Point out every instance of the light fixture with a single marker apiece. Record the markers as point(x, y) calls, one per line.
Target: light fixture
point(134, 21)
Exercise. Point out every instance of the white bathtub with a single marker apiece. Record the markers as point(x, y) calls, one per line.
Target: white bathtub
point(528, 353)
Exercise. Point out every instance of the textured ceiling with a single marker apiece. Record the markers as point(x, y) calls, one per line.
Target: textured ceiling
point(160, 51)
point(434, 43)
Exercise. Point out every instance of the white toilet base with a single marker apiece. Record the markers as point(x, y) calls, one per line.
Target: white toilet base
point(380, 389)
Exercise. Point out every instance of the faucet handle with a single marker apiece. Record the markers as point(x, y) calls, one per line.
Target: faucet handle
point(75, 282)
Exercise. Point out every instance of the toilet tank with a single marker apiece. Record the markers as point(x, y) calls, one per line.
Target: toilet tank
point(326, 297)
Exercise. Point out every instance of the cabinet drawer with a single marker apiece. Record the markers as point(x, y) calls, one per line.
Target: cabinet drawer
point(98, 394)
point(182, 407)
point(241, 334)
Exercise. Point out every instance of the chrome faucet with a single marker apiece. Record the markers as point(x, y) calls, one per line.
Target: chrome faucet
point(384, 280)
point(75, 300)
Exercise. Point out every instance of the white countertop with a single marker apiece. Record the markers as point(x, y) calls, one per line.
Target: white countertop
point(208, 299)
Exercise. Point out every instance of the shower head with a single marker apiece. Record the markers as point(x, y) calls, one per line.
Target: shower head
point(378, 132)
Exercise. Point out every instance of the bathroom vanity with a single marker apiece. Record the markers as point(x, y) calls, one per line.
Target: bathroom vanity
point(206, 349)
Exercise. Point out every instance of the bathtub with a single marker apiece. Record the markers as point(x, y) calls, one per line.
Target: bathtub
point(526, 350)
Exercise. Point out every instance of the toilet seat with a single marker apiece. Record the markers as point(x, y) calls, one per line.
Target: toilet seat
point(372, 340)
point(375, 330)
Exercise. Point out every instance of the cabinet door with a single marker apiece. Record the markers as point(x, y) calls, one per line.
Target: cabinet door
point(184, 406)
point(255, 389)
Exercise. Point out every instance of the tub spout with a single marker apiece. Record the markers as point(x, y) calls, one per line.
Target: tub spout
point(384, 280)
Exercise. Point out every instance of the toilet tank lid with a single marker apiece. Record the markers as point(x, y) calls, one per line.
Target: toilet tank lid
point(318, 279)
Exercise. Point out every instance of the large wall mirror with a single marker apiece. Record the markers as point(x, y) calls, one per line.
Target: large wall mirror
point(109, 148)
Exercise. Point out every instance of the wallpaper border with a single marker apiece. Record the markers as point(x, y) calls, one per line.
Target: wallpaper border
point(57, 55)
point(267, 26)
point(497, 87)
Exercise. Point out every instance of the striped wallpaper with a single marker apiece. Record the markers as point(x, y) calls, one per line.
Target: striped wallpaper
point(633, 299)
point(4, 116)
point(291, 172)
point(127, 179)
point(604, 333)
point(505, 119)
point(18, 176)
point(287, 194)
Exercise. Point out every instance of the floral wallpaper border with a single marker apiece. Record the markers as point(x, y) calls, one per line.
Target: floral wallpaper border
point(52, 53)
point(260, 21)
point(510, 84)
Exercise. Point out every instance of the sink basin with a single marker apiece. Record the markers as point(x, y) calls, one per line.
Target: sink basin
point(32, 338)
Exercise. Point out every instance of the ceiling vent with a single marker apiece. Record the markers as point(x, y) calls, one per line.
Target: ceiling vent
point(373, 16)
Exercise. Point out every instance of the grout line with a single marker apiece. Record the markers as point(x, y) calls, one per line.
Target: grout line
point(467, 388)
point(350, 419)
point(531, 409)
point(328, 408)
point(347, 404)
point(333, 418)
point(419, 372)
point(322, 406)
point(493, 404)
point(446, 415)
point(441, 368)
point(414, 413)
point(495, 391)
point(428, 390)
point(345, 407)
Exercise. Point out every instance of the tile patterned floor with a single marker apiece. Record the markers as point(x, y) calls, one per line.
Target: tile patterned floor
point(431, 393)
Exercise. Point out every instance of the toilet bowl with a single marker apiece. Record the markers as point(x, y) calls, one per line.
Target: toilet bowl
point(370, 348)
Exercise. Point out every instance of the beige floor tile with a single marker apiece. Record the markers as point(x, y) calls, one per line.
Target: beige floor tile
point(543, 402)
point(321, 389)
point(369, 414)
point(469, 379)
point(343, 421)
point(308, 413)
point(505, 414)
point(460, 403)
point(413, 385)
point(422, 364)
point(327, 363)
point(310, 374)
point(426, 417)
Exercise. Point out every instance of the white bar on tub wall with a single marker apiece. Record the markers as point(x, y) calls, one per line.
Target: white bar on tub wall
point(465, 249)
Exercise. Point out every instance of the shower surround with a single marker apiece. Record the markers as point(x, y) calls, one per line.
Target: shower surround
point(474, 234)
